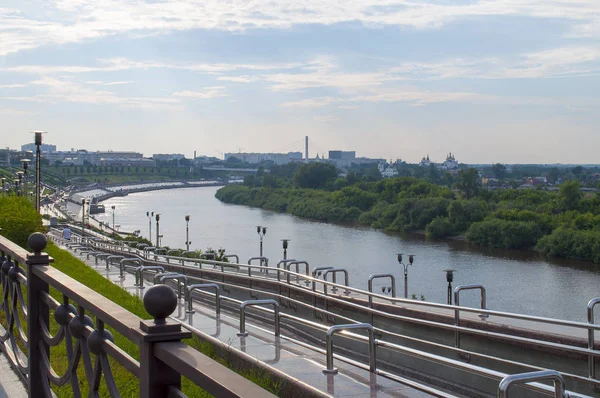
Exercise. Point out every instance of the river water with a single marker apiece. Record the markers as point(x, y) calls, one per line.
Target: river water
point(515, 281)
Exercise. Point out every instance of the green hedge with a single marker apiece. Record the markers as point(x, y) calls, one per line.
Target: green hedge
point(18, 219)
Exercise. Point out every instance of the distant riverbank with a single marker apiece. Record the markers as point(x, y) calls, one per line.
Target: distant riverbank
point(101, 193)
point(563, 224)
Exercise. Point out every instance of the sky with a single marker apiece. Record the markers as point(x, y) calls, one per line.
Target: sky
point(509, 81)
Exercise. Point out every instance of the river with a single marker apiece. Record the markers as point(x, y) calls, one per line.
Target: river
point(516, 281)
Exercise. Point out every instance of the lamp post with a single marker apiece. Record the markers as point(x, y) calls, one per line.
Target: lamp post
point(150, 215)
point(411, 259)
point(449, 279)
point(25, 167)
point(83, 217)
point(20, 177)
point(285, 246)
point(187, 233)
point(113, 209)
point(38, 156)
point(262, 231)
point(157, 216)
point(16, 184)
point(3, 180)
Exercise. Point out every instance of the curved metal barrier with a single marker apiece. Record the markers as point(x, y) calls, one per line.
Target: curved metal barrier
point(543, 375)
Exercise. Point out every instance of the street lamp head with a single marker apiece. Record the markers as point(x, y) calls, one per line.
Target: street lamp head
point(38, 137)
point(147, 214)
point(399, 256)
point(25, 163)
point(264, 230)
point(449, 275)
point(285, 243)
point(411, 258)
point(258, 228)
point(112, 207)
point(157, 217)
point(187, 218)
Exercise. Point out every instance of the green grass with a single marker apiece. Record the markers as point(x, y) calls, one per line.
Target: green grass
point(128, 384)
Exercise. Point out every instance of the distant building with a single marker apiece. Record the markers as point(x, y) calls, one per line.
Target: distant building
point(450, 163)
point(44, 148)
point(425, 162)
point(168, 156)
point(342, 155)
point(277, 158)
point(387, 170)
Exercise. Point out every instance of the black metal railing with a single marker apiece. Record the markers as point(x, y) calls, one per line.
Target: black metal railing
point(27, 337)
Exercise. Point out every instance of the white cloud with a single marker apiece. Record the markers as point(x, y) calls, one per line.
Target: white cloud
point(209, 92)
point(12, 85)
point(62, 90)
point(14, 112)
point(117, 83)
point(311, 102)
point(38, 23)
point(326, 119)
point(237, 79)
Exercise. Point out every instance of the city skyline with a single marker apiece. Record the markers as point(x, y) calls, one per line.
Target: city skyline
point(492, 81)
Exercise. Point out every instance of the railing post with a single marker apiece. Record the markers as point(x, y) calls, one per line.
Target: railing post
point(155, 376)
point(37, 312)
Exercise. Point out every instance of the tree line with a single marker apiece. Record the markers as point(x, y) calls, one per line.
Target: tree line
point(565, 223)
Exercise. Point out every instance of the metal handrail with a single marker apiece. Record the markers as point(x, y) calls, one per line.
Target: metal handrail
point(109, 259)
point(339, 328)
point(482, 356)
point(237, 258)
point(379, 276)
point(334, 272)
point(262, 260)
point(283, 262)
point(252, 303)
point(297, 264)
point(590, 317)
point(467, 309)
point(199, 286)
point(543, 375)
point(457, 291)
point(125, 261)
point(139, 273)
point(179, 278)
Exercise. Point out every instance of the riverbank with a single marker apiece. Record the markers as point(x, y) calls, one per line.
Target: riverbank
point(101, 193)
point(563, 224)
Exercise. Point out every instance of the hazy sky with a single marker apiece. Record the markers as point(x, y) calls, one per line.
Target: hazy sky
point(489, 80)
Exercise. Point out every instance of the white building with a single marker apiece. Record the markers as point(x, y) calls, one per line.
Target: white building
point(450, 163)
point(387, 170)
point(425, 162)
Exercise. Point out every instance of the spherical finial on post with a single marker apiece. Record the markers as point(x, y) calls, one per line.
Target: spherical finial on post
point(37, 242)
point(160, 301)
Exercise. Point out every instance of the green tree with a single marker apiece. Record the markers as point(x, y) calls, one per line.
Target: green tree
point(569, 195)
point(499, 170)
point(468, 182)
point(315, 175)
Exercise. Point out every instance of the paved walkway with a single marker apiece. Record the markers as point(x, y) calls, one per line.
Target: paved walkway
point(10, 384)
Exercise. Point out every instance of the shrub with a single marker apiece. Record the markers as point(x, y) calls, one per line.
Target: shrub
point(18, 219)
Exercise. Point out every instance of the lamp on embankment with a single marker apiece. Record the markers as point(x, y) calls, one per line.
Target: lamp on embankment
point(411, 259)
point(113, 209)
point(187, 233)
point(157, 217)
point(38, 163)
point(262, 231)
point(285, 246)
point(150, 215)
point(449, 279)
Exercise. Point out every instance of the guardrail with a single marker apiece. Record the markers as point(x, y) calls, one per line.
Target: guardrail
point(383, 314)
point(164, 359)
